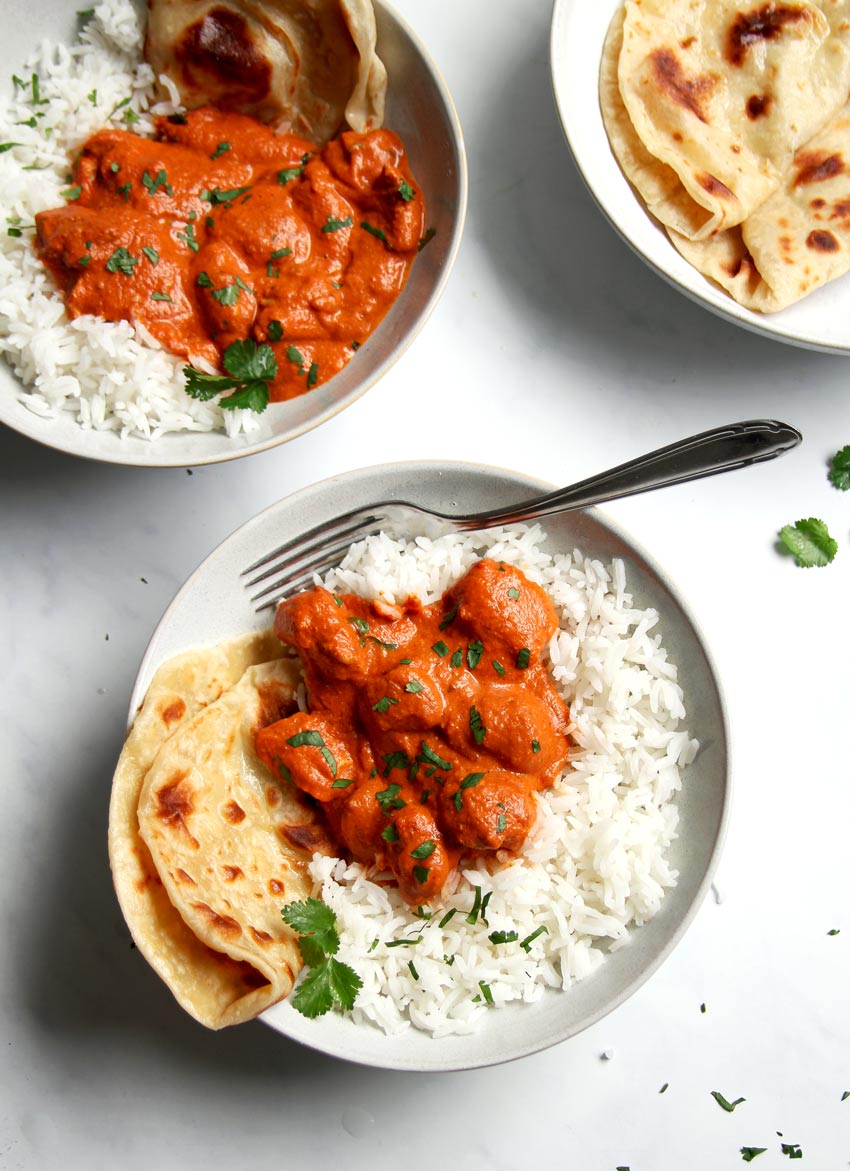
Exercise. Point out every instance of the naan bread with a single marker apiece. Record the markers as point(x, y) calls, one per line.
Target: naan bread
point(723, 93)
point(797, 240)
point(205, 845)
point(305, 66)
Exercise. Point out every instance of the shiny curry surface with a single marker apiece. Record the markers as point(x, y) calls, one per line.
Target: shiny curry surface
point(429, 729)
point(220, 230)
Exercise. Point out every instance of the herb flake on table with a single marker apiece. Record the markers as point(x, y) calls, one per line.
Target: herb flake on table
point(329, 981)
point(809, 542)
point(724, 1103)
point(750, 1153)
point(839, 469)
point(792, 1150)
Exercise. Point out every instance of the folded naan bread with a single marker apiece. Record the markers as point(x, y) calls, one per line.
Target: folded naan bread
point(796, 240)
point(205, 844)
point(304, 66)
point(722, 93)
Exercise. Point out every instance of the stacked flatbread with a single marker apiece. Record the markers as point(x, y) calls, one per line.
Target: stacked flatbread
point(731, 121)
point(206, 845)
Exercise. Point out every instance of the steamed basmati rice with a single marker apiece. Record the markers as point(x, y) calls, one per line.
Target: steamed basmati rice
point(595, 865)
point(108, 376)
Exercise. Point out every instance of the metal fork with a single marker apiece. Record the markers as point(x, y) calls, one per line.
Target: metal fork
point(294, 564)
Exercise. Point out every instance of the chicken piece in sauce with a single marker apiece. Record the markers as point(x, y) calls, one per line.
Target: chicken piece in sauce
point(433, 726)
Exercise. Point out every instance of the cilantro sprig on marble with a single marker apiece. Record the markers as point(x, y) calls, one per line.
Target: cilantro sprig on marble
point(839, 469)
point(809, 542)
point(329, 981)
point(250, 368)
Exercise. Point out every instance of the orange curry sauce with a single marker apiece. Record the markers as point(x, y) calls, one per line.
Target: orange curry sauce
point(430, 728)
point(220, 230)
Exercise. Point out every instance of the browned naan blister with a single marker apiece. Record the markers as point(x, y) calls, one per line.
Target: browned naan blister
point(205, 843)
point(308, 67)
point(721, 93)
point(794, 242)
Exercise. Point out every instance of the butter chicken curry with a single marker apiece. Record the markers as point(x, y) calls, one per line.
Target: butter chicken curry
point(430, 728)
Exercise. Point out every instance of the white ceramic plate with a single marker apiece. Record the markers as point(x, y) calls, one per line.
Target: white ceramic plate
point(420, 110)
point(212, 605)
point(820, 321)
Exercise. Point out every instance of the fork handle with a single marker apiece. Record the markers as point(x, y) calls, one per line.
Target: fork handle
point(720, 450)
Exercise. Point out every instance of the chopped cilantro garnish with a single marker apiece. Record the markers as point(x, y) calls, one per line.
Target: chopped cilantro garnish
point(473, 654)
point(274, 331)
point(792, 1150)
point(839, 469)
point(485, 991)
point(389, 799)
point(312, 739)
point(154, 185)
point(124, 190)
point(4, 146)
point(449, 915)
point(217, 196)
point(335, 225)
point(413, 686)
point(425, 850)
point(498, 668)
point(71, 193)
point(809, 542)
point(151, 253)
point(204, 280)
point(390, 833)
point(188, 237)
point(280, 253)
point(526, 943)
point(376, 232)
point(295, 356)
point(449, 617)
point(160, 297)
point(503, 936)
point(468, 782)
point(427, 238)
point(228, 295)
point(440, 649)
point(429, 756)
point(476, 725)
point(420, 873)
point(328, 981)
point(523, 658)
point(405, 191)
point(750, 1153)
point(312, 375)
point(122, 261)
point(221, 149)
point(383, 704)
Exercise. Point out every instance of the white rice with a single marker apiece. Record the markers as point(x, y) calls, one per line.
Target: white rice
point(107, 376)
point(595, 866)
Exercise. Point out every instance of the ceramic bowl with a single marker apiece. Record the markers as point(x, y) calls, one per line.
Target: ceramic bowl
point(420, 110)
point(213, 605)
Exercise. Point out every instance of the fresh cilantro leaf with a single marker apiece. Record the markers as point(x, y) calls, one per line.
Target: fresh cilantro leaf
point(221, 149)
point(424, 851)
point(314, 996)
point(275, 331)
point(749, 1153)
point(314, 918)
point(792, 1150)
point(476, 725)
point(810, 543)
point(468, 782)
point(228, 295)
point(839, 471)
point(253, 396)
point(334, 225)
point(329, 981)
point(69, 193)
point(405, 191)
point(151, 253)
point(246, 359)
point(4, 146)
point(160, 297)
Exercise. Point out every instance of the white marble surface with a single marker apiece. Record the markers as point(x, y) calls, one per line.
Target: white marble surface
point(555, 352)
